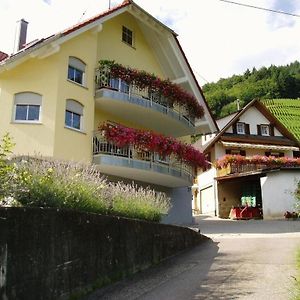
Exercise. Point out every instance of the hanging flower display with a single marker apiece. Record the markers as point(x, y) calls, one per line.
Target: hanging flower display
point(267, 161)
point(145, 140)
point(171, 91)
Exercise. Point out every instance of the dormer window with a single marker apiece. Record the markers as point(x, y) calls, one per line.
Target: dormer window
point(127, 36)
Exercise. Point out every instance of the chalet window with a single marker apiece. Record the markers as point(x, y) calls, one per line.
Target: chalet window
point(235, 152)
point(127, 36)
point(275, 154)
point(27, 107)
point(76, 70)
point(265, 130)
point(296, 154)
point(241, 128)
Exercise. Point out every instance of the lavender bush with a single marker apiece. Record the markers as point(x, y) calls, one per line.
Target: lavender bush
point(40, 182)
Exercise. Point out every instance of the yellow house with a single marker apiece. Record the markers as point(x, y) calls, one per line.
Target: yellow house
point(53, 97)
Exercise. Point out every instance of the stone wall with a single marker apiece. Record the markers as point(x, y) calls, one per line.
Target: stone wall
point(53, 254)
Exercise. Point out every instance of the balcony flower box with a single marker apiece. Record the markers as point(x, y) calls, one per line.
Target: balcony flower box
point(172, 93)
point(148, 141)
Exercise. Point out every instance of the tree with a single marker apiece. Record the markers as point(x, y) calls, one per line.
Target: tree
point(266, 83)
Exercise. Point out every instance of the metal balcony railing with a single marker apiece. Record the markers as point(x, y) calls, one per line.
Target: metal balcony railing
point(105, 80)
point(102, 146)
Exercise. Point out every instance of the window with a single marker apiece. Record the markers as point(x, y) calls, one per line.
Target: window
point(74, 114)
point(240, 128)
point(127, 36)
point(274, 154)
point(27, 107)
point(296, 154)
point(76, 70)
point(235, 152)
point(264, 129)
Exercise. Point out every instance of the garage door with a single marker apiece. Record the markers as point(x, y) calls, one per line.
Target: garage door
point(207, 201)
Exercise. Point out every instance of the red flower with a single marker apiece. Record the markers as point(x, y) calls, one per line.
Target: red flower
point(268, 161)
point(149, 141)
point(173, 92)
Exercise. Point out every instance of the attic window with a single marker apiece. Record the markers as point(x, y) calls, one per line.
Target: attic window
point(127, 36)
point(240, 128)
point(265, 130)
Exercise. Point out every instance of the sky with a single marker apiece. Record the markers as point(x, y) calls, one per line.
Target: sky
point(218, 38)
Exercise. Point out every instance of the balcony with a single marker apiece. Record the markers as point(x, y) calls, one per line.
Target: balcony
point(237, 164)
point(143, 106)
point(128, 162)
point(234, 168)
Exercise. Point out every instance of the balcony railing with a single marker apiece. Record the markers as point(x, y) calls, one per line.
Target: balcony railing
point(105, 80)
point(234, 168)
point(102, 146)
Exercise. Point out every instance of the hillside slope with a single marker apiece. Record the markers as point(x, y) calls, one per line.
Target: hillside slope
point(287, 111)
point(275, 82)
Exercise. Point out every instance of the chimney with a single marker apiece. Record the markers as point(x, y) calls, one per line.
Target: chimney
point(21, 33)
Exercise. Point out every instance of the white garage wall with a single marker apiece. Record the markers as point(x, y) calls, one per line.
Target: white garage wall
point(277, 190)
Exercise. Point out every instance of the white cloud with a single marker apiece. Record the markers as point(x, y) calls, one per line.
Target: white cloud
point(218, 38)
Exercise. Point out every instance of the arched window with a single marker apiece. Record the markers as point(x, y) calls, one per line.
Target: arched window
point(76, 70)
point(27, 107)
point(74, 114)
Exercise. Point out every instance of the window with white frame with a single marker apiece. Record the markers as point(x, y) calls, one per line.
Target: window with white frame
point(27, 107)
point(240, 128)
point(74, 115)
point(76, 70)
point(127, 36)
point(265, 130)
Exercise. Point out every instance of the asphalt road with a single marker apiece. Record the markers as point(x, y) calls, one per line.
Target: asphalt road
point(244, 260)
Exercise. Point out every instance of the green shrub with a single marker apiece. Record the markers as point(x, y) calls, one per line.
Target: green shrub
point(6, 169)
point(297, 202)
point(39, 182)
point(137, 202)
point(50, 183)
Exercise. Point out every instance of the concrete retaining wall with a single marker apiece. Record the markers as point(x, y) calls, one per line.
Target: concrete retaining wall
point(52, 254)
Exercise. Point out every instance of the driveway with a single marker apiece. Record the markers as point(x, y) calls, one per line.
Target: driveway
point(243, 260)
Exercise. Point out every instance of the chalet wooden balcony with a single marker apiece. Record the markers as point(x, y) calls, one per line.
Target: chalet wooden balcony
point(236, 164)
point(142, 106)
point(130, 163)
point(240, 169)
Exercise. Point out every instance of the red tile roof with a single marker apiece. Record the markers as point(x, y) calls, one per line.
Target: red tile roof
point(97, 17)
point(68, 30)
point(3, 55)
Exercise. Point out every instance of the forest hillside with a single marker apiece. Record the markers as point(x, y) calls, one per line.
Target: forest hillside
point(274, 82)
